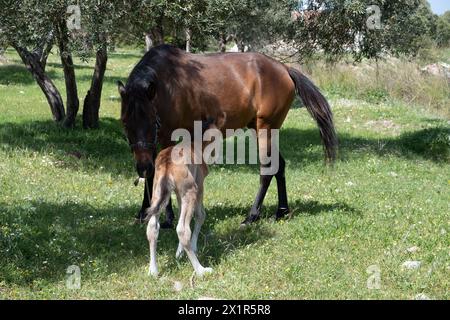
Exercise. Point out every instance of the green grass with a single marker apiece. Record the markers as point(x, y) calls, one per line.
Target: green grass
point(394, 80)
point(388, 192)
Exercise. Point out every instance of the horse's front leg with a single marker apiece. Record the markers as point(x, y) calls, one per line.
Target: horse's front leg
point(170, 216)
point(140, 217)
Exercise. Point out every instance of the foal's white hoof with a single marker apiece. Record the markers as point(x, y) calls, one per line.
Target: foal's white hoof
point(153, 273)
point(204, 271)
point(180, 252)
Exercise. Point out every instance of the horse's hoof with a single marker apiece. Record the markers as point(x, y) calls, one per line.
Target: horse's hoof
point(249, 220)
point(166, 225)
point(281, 213)
point(140, 217)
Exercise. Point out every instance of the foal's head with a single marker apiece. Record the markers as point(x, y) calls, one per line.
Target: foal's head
point(141, 124)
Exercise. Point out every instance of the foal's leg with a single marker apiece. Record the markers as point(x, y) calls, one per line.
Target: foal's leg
point(184, 232)
point(180, 249)
point(200, 216)
point(152, 236)
point(159, 200)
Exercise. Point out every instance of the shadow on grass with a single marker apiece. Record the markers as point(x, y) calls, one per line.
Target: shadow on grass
point(107, 147)
point(431, 144)
point(73, 149)
point(127, 55)
point(39, 240)
point(299, 147)
point(58, 65)
point(16, 74)
point(13, 74)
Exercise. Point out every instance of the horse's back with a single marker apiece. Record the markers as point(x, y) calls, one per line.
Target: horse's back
point(243, 85)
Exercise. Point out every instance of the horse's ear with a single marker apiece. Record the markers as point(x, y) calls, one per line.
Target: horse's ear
point(121, 87)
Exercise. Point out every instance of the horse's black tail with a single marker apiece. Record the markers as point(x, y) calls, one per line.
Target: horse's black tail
point(319, 109)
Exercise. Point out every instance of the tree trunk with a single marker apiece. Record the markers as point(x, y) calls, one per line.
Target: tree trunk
point(33, 64)
point(224, 39)
point(223, 43)
point(188, 39)
point(240, 44)
point(73, 102)
point(92, 100)
point(44, 48)
point(2, 57)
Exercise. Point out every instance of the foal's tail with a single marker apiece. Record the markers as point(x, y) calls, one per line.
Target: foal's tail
point(319, 109)
point(160, 197)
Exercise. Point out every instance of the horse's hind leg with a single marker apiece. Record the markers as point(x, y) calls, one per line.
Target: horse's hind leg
point(170, 216)
point(255, 211)
point(283, 207)
point(264, 143)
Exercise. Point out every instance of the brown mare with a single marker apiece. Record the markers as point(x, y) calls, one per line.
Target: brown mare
point(170, 89)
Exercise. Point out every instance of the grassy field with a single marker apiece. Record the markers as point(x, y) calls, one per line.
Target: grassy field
point(67, 198)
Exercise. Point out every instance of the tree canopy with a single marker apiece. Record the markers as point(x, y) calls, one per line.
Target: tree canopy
point(333, 28)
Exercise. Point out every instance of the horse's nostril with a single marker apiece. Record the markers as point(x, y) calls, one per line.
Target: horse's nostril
point(144, 170)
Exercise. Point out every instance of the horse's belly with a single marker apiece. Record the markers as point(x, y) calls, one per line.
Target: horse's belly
point(238, 117)
point(237, 100)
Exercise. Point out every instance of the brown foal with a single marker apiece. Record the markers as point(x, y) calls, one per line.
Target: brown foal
point(186, 180)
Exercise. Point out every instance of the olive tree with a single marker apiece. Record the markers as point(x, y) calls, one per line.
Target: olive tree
point(32, 27)
point(25, 26)
point(363, 28)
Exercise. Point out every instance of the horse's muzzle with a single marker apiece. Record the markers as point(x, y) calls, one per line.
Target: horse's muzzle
point(144, 170)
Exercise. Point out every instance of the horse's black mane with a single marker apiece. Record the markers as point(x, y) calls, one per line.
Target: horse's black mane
point(145, 74)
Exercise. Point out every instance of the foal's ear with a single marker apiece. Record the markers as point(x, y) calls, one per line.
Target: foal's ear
point(121, 87)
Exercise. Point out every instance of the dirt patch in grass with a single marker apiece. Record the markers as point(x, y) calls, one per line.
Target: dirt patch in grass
point(382, 126)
